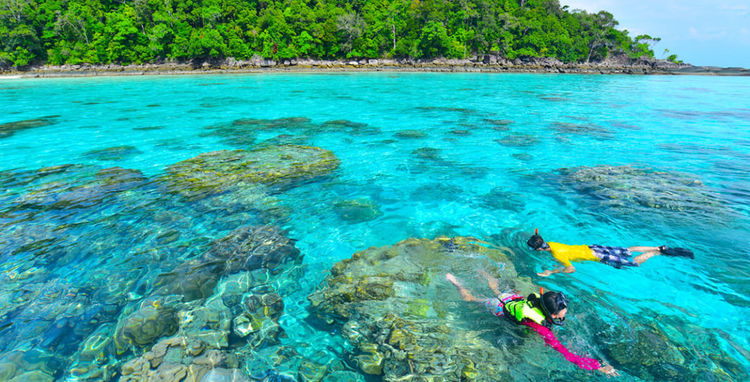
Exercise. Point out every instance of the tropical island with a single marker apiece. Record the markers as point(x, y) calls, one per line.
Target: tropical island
point(173, 35)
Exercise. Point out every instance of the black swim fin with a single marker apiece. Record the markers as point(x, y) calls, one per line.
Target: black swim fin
point(676, 252)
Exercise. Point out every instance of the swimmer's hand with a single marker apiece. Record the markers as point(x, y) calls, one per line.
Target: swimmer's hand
point(609, 371)
point(568, 269)
point(544, 274)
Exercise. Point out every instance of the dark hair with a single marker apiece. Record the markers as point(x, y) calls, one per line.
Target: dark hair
point(554, 302)
point(536, 242)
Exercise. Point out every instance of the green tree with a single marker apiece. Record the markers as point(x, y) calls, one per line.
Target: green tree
point(134, 31)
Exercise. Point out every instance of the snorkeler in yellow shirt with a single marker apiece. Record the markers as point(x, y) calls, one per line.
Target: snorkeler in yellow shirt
point(617, 257)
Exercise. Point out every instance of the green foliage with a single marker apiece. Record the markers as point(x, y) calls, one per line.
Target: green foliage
point(141, 31)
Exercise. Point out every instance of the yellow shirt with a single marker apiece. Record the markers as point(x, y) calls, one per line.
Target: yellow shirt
point(567, 253)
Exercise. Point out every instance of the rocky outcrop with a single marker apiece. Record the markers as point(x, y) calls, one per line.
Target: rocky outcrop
point(620, 64)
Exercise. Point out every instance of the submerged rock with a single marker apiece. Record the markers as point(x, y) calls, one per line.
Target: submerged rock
point(518, 140)
point(350, 127)
point(9, 128)
point(222, 375)
point(244, 132)
point(627, 187)
point(499, 124)
point(523, 156)
point(180, 359)
point(112, 153)
point(662, 347)
point(357, 210)
point(499, 198)
point(437, 192)
point(581, 129)
point(410, 134)
point(29, 365)
point(219, 171)
point(428, 153)
point(76, 187)
point(385, 302)
point(151, 322)
point(460, 132)
point(205, 313)
point(244, 249)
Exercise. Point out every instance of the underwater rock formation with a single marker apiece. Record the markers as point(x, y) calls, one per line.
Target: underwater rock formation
point(349, 127)
point(433, 192)
point(9, 128)
point(498, 124)
point(73, 186)
point(112, 153)
point(390, 304)
point(499, 198)
point(29, 365)
point(179, 359)
point(357, 210)
point(627, 187)
point(200, 316)
point(244, 249)
point(590, 129)
point(654, 349)
point(410, 134)
point(149, 323)
point(219, 171)
point(243, 133)
point(518, 140)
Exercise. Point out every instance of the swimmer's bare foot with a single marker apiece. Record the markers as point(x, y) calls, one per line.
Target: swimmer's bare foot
point(491, 281)
point(465, 294)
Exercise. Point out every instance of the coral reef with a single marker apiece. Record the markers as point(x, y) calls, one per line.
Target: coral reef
point(518, 140)
point(389, 303)
point(201, 316)
point(246, 248)
point(357, 210)
point(410, 134)
point(628, 187)
point(243, 133)
point(220, 171)
point(112, 153)
point(10, 128)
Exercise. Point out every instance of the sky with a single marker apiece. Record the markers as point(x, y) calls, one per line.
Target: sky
point(699, 32)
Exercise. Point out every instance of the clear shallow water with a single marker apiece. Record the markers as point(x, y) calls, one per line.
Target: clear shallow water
point(486, 164)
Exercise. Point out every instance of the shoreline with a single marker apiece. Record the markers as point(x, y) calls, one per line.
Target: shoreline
point(486, 65)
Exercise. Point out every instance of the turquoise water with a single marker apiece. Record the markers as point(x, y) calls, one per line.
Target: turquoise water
point(434, 154)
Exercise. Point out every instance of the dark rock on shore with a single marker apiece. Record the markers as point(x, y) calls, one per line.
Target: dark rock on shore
point(486, 63)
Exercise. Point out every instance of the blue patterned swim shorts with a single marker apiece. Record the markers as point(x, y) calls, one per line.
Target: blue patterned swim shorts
point(617, 257)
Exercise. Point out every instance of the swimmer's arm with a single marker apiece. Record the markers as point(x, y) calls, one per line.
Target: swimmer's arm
point(580, 361)
point(568, 269)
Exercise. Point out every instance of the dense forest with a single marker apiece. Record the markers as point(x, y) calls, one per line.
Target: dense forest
point(144, 31)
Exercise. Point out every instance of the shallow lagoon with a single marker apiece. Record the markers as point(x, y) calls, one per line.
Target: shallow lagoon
point(614, 160)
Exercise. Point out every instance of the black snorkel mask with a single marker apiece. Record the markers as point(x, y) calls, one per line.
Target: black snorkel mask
point(554, 302)
point(536, 242)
